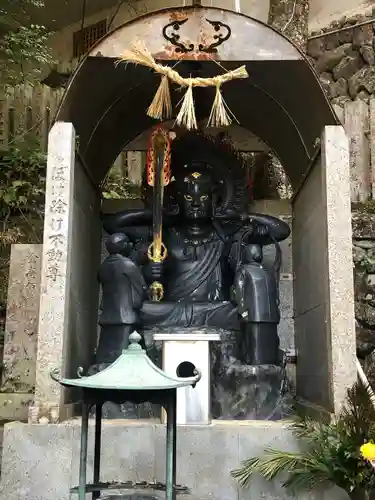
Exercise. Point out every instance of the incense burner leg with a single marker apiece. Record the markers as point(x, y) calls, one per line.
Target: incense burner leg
point(83, 452)
point(174, 424)
point(97, 450)
point(170, 480)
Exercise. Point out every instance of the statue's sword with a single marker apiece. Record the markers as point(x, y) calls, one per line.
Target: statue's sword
point(158, 176)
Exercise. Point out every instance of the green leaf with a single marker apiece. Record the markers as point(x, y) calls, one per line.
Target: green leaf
point(330, 451)
point(8, 197)
point(24, 48)
point(18, 183)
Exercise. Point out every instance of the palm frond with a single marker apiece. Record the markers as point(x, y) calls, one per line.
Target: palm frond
point(305, 479)
point(271, 465)
point(306, 427)
point(358, 414)
point(330, 450)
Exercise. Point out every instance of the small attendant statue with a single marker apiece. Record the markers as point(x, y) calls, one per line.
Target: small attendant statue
point(123, 289)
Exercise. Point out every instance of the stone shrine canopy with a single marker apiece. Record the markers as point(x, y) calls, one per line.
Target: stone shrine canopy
point(282, 101)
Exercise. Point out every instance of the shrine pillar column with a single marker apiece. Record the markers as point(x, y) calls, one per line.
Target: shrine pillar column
point(69, 289)
point(323, 267)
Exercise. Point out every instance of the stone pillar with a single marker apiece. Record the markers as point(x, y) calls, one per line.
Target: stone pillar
point(55, 274)
point(356, 123)
point(323, 268)
point(339, 279)
point(135, 166)
point(20, 343)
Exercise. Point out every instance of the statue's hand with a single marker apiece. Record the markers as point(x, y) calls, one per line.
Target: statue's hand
point(262, 230)
point(258, 233)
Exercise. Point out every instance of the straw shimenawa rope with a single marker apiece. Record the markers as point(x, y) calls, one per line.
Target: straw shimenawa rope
point(161, 106)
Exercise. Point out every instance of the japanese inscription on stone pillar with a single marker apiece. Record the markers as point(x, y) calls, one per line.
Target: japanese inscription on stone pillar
point(58, 221)
point(55, 292)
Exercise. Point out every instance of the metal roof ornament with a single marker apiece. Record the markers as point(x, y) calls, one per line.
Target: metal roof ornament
point(132, 371)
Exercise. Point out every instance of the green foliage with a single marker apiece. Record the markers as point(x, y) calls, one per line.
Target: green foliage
point(23, 45)
point(117, 187)
point(367, 263)
point(22, 179)
point(330, 451)
point(23, 54)
point(367, 207)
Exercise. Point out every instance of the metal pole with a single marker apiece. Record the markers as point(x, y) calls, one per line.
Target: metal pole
point(97, 449)
point(83, 452)
point(170, 479)
point(174, 425)
point(81, 54)
point(340, 30)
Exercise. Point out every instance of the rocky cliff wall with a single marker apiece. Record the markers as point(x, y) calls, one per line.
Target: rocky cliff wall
point(345, 60)
point(364, 276)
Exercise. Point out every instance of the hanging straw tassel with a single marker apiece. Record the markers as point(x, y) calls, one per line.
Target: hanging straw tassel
point(186, 115)
point(161, 106)
point(219, 116)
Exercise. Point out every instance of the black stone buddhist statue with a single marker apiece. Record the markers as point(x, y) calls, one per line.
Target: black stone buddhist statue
point(213, 275)
point(123, 288)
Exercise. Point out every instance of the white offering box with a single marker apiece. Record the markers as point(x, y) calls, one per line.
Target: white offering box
point(179, 350)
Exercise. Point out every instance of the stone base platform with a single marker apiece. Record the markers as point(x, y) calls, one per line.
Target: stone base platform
point(15, 405)
point(40, 462)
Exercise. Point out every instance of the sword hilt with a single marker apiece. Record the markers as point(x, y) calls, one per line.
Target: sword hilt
point(156, 252)
point(157, 291)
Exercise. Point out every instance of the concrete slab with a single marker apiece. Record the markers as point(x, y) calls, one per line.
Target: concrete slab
point(205, 457)
point(37, 462)
point(127, 452)
point(40, 462)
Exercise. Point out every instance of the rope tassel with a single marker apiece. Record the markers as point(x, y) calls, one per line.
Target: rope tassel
point(186, 115)
point(220, 113)
point(161, 106)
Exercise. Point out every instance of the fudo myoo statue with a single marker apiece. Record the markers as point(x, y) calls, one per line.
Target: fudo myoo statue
point(207, 232)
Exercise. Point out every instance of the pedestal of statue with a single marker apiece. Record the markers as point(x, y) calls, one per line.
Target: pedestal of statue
point(181, 354)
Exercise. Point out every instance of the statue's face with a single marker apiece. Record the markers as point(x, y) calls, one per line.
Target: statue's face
point(197, 197)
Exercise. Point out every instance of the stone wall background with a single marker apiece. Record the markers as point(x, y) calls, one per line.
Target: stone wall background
point(345, 60)
point(364, 277)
